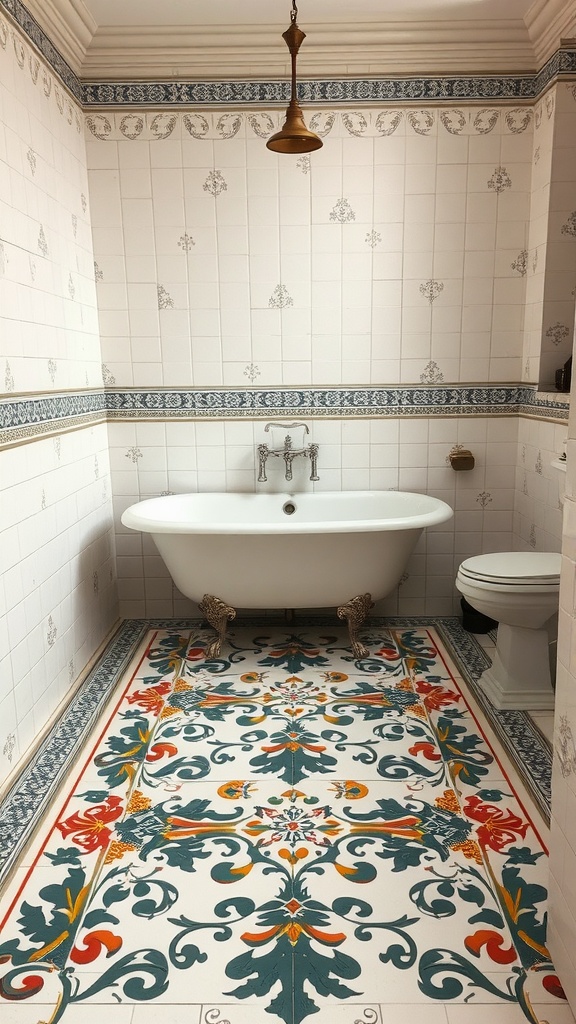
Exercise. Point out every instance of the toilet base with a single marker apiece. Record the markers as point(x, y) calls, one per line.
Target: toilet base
point(519, 676)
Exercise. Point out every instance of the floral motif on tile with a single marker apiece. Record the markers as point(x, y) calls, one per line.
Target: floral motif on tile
point(252, 372)
point(431, 290)
point(538, 464)
point(215, 183)
point(261, 124)
point(304, 163)
point(186, 242)
point(52, 632)
point(569, 228)
point(83, 202)
point(8, 377)
point(162, 125)
point(549, 103)
point(535, 260)
point(500, 180)
point(280, 298)
point(373, 238)
point(532, 537)
point(98, 273)
point(52, 369)
point(519, 119)
point(71, 287)
point(454, 121)
point(131, 126)
point(432, 374)
point(108, 378)
point(342, 212)
point(165, 300)
point(236, 827)
point(74, 225)
point(486, 120)
point(32, 161)
point(421, 121)
point(134, 454)
point(557, 333)
point(484, 499)
point(9, 747)
point(322, 122)
point(99, 125)
point(537, 155)
point(42, 243)
point(388, 121)
point(520, 264)
point(355, 123)
point(565, 747)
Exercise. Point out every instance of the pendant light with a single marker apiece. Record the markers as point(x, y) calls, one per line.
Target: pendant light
point(294, 136)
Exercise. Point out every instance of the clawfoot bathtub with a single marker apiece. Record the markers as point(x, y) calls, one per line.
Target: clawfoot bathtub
point(309, 550)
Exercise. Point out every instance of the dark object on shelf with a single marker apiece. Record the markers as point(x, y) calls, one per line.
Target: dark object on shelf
point(473, 621)
point(563, 376)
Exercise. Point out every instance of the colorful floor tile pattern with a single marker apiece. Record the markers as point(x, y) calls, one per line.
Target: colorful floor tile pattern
point(284, 834)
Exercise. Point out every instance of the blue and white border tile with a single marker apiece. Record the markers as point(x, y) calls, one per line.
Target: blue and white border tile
point(463, 88)
point(30, 27)
point(30, 794)
point(29, 418)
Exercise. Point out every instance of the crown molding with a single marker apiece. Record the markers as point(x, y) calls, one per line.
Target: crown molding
point(69, 26)
point(547, 23)
point(225, 52)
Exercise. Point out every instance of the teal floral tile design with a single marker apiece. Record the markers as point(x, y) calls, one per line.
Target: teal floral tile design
point(288, 830)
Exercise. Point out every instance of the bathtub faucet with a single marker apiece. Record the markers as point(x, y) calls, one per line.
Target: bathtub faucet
point(287, 452)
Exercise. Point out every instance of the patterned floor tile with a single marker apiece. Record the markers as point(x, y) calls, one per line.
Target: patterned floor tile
point(290, 831)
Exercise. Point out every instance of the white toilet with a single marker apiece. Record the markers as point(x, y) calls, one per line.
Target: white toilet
point(520, 589)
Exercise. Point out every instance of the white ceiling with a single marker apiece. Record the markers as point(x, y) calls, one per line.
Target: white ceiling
point(231, 13)
point(232, 39)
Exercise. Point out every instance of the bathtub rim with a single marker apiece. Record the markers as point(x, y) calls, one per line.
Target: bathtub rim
point(134, 516)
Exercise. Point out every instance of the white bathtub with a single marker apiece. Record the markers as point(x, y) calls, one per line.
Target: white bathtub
point(246, 550)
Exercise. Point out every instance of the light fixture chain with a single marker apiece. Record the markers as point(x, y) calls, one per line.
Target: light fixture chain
point(294, 12)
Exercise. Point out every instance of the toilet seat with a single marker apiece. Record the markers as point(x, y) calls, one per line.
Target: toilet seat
point(509, 569)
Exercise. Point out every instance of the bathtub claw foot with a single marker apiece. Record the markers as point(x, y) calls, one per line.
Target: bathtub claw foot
point(355, 613)
point(218, 613)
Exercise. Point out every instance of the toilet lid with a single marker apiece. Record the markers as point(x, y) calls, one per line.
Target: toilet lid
point(522, 567)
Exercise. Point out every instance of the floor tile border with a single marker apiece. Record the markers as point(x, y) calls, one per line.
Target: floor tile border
point(33, 789)
point(522, 740)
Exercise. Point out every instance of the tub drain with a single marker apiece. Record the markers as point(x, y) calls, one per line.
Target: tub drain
point(289, 508)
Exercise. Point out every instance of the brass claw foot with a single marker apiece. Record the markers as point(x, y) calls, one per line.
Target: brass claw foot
point(355, 612)
point(218, 613)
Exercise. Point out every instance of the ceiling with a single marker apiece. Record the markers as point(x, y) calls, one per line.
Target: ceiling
point(227, 39)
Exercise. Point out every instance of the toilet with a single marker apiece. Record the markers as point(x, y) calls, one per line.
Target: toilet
point(520, 590)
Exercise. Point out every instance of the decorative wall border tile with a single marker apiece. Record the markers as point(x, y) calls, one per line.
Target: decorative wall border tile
point(37, 783)
point(324, 91)
point(27, 419)
point(31, 792)
point(30, 27)
point(327, 91)
point(379, 122)
point(370, 401)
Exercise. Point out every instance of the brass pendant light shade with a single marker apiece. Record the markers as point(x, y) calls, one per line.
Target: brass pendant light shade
point(294, 137)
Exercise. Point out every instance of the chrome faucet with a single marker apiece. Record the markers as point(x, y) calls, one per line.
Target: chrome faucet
point(287, 452)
